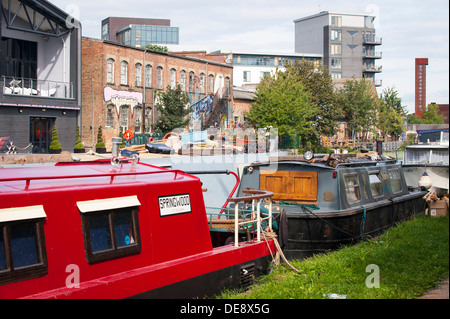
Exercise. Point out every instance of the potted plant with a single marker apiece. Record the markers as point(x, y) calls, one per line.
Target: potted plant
point(122, 144)
point(79, 147)
point(55, 146)
point(100, 146)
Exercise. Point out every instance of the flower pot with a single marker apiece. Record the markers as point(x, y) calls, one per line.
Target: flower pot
point(100, 150)
point(79, 150)
point(57, 151)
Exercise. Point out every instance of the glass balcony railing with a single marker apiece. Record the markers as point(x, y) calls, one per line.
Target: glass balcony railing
point(34, 87)
point(372, 54)
point(372, 68)
point(371, 39)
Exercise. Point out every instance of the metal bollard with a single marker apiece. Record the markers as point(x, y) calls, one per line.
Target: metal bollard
point(115, 146)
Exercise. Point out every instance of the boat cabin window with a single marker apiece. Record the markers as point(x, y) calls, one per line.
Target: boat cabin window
point(110, 228)
point(439, 157)
point(352, 188)
point(376, 185)
point(395, 180)
point(22, 245)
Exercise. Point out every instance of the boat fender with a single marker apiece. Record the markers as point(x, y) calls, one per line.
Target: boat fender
point(425, 181)
point(150, 139)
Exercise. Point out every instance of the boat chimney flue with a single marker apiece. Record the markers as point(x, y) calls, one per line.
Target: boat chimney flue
point(115, 146)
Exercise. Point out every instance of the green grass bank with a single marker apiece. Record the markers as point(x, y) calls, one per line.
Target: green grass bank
point(403, 263)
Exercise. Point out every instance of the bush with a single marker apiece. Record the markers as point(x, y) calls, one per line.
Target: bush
point(55, 145)
point(78, 144)
point(100, 143)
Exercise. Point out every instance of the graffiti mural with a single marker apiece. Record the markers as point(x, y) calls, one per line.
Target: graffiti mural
point(205, 105)
point(119, 98)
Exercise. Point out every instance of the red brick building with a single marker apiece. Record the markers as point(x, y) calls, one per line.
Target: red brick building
point(119, 86)
point(421, 86)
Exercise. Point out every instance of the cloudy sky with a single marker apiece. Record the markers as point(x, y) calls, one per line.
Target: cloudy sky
point(410, 29)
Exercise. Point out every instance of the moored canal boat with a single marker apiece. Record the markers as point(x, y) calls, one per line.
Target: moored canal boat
point(114, 229)
point(426, 165)
point(334, 200)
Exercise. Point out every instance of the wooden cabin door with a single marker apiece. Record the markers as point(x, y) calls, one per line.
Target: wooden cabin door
point(298, 186)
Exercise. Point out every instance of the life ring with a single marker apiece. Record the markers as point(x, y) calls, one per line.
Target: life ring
point(170, 134)
point(150, 139)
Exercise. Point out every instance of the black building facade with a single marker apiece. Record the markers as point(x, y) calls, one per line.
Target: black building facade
point(40, 74)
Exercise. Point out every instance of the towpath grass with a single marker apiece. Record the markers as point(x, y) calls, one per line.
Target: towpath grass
point(411, 258)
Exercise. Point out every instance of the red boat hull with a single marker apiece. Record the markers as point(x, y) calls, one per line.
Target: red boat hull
point(202, 275)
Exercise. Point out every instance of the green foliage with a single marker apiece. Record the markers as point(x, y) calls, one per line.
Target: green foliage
point(78, 144)
point(172, 105)
point(413, 119)
point(390, 118)
point(55, 145)
point(299, 101)
point(430, 116)
point(360, 105)
point(284, 104)
point(122, 143)
point(412, 257)
point(318, 83)
point(100, 143)
point(158, 48)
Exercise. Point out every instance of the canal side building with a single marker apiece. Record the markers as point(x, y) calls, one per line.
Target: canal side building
point(348, 42)
point(121, 83)
point(40, 60)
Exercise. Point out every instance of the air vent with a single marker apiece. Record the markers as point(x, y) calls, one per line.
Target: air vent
point(247, 275)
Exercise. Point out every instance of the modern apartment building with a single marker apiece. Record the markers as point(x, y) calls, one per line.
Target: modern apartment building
point(348, 43)
point(139, 32)
point(250, 67)
point(40, 74)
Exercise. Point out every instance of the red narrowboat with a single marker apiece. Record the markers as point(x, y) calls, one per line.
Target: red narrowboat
point(120, 229)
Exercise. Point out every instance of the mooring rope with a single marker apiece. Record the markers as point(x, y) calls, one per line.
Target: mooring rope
point(271, 235)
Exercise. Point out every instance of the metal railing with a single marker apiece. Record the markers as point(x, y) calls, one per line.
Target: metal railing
point(35, 87)
point(256, 197)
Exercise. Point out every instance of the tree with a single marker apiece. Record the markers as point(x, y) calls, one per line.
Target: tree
point(390, 118)
point(284, 103)
point(430, 116)
point(100, 144)
point(360, 105)
point(318, 82)
point(78, 144)
point(55, 145)
point(172, 105)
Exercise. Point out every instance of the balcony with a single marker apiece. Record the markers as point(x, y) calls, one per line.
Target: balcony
point(370, 54)
point(37, 88)
point(372, 69)
point(378, 83)
point(373, 40)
